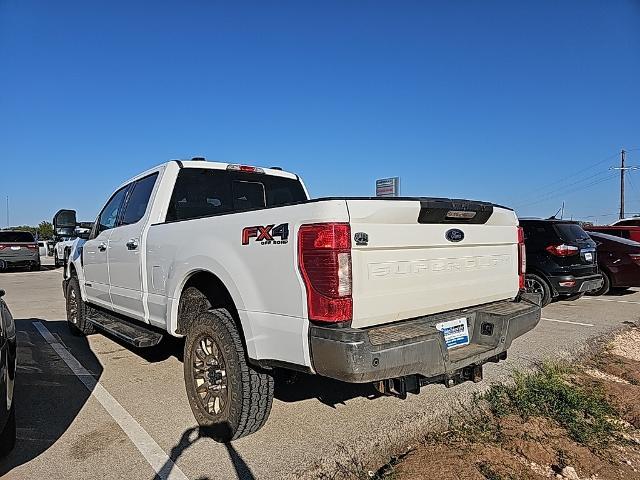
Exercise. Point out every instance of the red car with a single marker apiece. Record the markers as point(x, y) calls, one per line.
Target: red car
point(619, 262)
point(622, 231)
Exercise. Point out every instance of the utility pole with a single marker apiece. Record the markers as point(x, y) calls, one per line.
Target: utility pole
point(623, 168)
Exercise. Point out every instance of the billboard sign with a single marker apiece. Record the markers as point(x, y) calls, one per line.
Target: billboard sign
point(388, 187)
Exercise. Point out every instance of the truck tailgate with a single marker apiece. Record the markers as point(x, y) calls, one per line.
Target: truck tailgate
point(409, 268)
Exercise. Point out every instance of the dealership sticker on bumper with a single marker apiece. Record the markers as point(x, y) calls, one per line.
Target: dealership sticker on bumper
point(456, 332)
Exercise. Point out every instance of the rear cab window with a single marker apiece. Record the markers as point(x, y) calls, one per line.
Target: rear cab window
point(205, 192)
point(16, 237)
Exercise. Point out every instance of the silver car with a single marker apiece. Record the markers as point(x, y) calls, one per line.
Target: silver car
point(18, 249)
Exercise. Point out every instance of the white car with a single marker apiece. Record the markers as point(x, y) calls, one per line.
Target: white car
point(399, 292)
point(61, 249)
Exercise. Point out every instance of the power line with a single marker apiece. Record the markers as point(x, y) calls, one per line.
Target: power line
point(575, 174)
point(566, 192)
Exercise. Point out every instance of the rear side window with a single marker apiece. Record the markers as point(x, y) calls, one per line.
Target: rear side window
point(201, 192)
point(16, 237)
point(139, 199)
point(570, 232)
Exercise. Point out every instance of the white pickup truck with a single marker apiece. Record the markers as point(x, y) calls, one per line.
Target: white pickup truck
point(399, 292)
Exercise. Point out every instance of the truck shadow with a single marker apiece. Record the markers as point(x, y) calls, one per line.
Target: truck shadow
point(193, 435)
point(47, 396)
point(289, 387)
point(295, 388)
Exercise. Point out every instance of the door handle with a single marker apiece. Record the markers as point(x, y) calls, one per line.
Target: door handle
point(102, 247)
point(132, 244)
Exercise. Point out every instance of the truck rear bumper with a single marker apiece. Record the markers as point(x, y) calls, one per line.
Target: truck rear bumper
point(416, 347)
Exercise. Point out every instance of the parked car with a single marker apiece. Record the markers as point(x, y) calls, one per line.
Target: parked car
point(619, 262)
point(630, 232)
point(397, 292)
point(61, 250)
point(18, 249)
point(561, 259)
point(627, 222)
point(7, 378)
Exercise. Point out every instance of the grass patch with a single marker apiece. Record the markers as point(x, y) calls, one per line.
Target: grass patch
point(583, 412)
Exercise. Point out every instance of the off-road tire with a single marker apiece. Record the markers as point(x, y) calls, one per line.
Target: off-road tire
point(77, 321)
point(8, 434)
point(604, 289)
point(544, 288)
point(249, 391)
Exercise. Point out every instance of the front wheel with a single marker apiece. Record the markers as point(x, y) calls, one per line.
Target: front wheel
point(536, 284)
point(77, 310)
point(228, 397)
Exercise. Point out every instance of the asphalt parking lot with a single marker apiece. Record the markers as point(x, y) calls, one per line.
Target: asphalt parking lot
point(94, 408)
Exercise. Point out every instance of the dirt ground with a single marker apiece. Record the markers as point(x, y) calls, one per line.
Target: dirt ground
point(539, 447)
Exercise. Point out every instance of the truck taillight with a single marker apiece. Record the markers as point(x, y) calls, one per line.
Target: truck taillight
point(324, 259)
point(522, 258)
point(562, 250)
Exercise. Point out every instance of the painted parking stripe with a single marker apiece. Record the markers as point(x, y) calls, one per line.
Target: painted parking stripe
point(567, 321)
point(612, 300)
point(157, 458)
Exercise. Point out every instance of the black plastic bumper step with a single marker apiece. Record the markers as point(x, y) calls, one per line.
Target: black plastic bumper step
point(136, 334)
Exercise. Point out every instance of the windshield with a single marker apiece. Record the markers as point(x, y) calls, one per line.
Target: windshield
point(16, 237)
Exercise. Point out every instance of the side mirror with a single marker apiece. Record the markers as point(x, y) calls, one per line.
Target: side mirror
point(2, 292)
point(64, 223)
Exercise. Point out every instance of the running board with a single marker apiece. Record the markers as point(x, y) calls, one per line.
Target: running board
point(134, 333)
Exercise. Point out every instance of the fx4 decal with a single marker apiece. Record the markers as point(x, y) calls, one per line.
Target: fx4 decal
point(266, 235)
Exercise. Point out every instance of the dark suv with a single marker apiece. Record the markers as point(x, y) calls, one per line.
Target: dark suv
point(561, 259)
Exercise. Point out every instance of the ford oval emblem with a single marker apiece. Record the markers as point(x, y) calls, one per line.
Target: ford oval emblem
point(454, 235)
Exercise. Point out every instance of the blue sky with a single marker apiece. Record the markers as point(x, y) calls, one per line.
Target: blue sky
point(496, 101)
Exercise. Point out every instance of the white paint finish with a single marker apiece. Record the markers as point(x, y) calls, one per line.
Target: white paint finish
point(260, 278)
point(278, 337)
point(567, 321)
point(157, 458)
point(96, 269)
point(410, 269)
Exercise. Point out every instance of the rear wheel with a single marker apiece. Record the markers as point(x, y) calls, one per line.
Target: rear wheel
point(228, 397)
point(8, 434)
point(535, 284)
point(77, 310)
point(604, 289)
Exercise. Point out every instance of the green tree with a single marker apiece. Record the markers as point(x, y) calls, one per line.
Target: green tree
point(45, 230)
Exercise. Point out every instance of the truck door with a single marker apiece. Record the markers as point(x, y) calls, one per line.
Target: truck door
point(126, 250)
point(96, 253)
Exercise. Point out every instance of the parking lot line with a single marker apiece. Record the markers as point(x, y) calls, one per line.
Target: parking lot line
point(611, 300)
point(567, 321)
point(164, 466)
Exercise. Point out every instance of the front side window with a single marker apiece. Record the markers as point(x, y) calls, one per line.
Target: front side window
point(139, 199)
point(109, 214)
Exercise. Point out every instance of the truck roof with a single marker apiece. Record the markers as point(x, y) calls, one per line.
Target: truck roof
point(276, 172)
